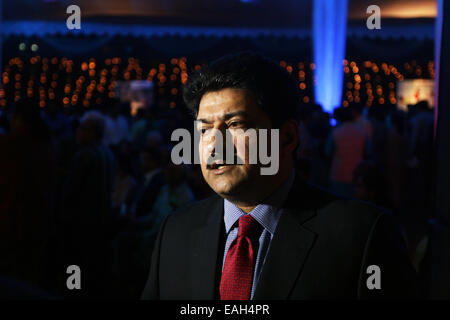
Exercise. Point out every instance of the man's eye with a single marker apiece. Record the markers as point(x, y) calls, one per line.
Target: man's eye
point(236, 124)
point(203, 130)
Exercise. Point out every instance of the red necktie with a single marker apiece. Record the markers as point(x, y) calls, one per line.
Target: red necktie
point(237, 274)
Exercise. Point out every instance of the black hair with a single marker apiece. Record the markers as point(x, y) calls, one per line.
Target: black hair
point(276, 92)
point(343, 114)
point(422, 105)
point(95, 122)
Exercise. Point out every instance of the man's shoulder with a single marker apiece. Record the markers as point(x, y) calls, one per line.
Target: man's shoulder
point(196, 213)
point(330, 208)
point(342, 223)
point(352, 211)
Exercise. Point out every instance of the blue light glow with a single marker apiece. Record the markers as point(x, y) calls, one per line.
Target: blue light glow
point(329, 33)
point(333, 122)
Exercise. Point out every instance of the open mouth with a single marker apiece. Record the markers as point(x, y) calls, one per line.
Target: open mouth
point(219, 168)
point(216, 165)
point(219, 164)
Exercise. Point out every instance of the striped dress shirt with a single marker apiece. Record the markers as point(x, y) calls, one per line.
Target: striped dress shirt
point(267, 215)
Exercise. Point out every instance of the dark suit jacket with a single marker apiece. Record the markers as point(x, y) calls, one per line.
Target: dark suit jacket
point(320, 250)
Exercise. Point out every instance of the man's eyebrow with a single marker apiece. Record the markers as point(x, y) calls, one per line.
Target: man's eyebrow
point(226, 117)
point(203, 121)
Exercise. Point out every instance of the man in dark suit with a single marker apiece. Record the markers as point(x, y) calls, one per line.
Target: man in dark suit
point(269, 236)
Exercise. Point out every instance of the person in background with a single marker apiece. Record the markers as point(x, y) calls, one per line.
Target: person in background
point(139, 128)
point(174, 194)
point(347, 145)
point(124, 184)
point(26, 195)
point(143, 200)
point(421, 154)
point(305, 149)
point(116, 125)
point(368, 182)
point(86, 209)
point(397, 157)
point(57, 121)
point(377, 117)
point(319, 128)
point(153, 139)
point(143, 214)
point(357, 110)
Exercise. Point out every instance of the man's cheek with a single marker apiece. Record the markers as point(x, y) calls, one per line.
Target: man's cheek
point(240, 153)
point(203, 154)
point(246, 150)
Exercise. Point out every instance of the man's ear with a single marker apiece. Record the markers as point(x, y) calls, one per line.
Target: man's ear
point(290, 136)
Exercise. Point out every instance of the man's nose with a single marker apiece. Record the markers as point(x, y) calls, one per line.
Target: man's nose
point(216, 140)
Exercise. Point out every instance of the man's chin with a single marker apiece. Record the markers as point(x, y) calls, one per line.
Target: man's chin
point(231, 184)
point(230, 189)
point(224, 186)
point(225, 192)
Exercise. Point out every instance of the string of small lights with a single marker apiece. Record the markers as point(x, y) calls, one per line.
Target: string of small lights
point(89, 83)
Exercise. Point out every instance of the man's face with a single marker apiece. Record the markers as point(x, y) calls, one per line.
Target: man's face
point(231, 109)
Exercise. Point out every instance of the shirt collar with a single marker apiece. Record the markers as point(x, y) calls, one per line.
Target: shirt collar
point(267, 214)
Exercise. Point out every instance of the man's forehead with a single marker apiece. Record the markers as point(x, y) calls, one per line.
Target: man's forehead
point(222, 114)
point(219, 104)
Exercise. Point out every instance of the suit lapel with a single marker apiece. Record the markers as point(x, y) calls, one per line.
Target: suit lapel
point(205, 245)
point(289, 247)
point(287, 254)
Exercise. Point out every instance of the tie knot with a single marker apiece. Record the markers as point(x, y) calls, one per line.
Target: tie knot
point(246, 225)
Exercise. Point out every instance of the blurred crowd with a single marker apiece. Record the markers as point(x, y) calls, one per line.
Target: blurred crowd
point(91, 188)
point(88, 189)
point(380, 154)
